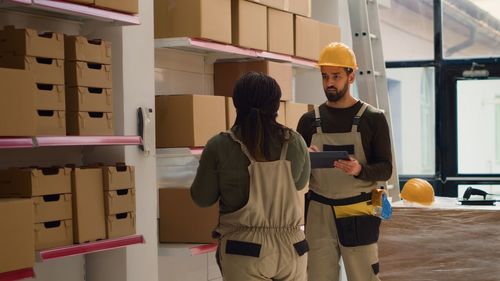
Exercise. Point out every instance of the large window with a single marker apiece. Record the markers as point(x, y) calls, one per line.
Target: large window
point(411, 94)
point(471, 28)
point(478, 126)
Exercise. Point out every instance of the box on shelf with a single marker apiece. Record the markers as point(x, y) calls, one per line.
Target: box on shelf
point(299, 7)
point(79, 48)
point(293, 113)
point(31, 182)
point(120, 225)
point(45, 70)
point(89, 99)
point(118, 177)
point(226, 74)
point(306, 38)
point(175, 206)
point(16, 234)
point(88, 205)
point(17, 103)
point(328, 33)
point(193, 18)
point(50, 97)
point(125, 6)
point(28, 42)
point(277, 4)
point(89, 123)
point(119, 201)
point(84, 74)
point(53, 234)
point(249, 24)
point(188, 120)
point(52, 207)
point(280, 32)
point(50, 123)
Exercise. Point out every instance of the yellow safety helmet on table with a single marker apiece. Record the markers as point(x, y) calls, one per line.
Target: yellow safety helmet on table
point(417, 190)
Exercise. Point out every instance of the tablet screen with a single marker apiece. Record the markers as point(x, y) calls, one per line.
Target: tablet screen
point(325, 159)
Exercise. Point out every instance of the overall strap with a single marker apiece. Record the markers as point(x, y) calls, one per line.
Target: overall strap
point(244, 149)
point(357, 118)
point(284, 149)
point(317, 121)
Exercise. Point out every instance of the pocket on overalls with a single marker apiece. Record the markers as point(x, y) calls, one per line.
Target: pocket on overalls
point(301, 247)
point(358, 230)
point(243, 248)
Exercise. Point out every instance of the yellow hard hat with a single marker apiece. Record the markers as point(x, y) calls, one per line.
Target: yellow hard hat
point(418, 191)
point(337, 54)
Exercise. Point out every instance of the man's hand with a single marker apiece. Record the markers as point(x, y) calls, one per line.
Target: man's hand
point(350, 167)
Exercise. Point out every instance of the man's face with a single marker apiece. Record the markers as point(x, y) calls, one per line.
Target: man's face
point(335, 82)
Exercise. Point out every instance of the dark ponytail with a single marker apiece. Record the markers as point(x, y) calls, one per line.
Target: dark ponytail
point(256, 98)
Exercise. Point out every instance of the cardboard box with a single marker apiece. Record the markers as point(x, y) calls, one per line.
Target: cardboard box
point(51, 123)
point(181, 221)
point(277, 4)
point(46, 71)
point(299, 7)
point(28, 42)
point(118, 177)
point(119, 201)
point(193, 18)
point(88, 205)
point(49, 97)
point(31, 182)
point(53, 234)
point(17, 242)
point(90, 123)
point(280, 32)
point(327, 33)
point(294, 112)
point(52, 207)
point(188, 120)
point(79, 48)
point(120, 225)
point(17, 103)
point(306, 38)
point(226, 74)
point(83, 74)
point(249, 24)
point(125, 6)
point(230, 113)
point(89, 99)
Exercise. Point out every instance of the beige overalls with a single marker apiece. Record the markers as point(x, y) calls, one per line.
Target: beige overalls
point(332, 187)
point(263, 240)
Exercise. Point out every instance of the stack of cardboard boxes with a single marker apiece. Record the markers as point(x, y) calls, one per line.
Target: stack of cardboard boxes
point(119, 200)
point(88, 86)
point(43, 56)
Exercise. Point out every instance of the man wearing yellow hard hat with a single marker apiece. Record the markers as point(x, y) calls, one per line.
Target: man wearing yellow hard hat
point(340, 221)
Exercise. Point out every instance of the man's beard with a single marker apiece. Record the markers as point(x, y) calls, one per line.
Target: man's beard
point(333, 95)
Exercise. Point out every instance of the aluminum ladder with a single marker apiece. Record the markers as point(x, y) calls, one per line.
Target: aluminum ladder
point(371, 78)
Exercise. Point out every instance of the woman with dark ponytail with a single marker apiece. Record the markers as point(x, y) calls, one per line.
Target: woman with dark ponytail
point(255, 170)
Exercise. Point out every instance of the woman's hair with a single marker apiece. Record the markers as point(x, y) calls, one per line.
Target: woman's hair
point(256, 98)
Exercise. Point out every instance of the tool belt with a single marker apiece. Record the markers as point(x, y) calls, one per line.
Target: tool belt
point(354, 217)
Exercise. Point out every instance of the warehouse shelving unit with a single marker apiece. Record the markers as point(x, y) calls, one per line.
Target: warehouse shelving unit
point(91, 261)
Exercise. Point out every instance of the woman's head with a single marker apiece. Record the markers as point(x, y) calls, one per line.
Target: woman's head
point(256, 98)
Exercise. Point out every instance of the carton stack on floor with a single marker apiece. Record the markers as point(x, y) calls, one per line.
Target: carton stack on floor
point(88, 86)
point(43, 56)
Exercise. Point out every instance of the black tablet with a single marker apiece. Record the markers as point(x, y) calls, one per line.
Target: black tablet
point(325, 159)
